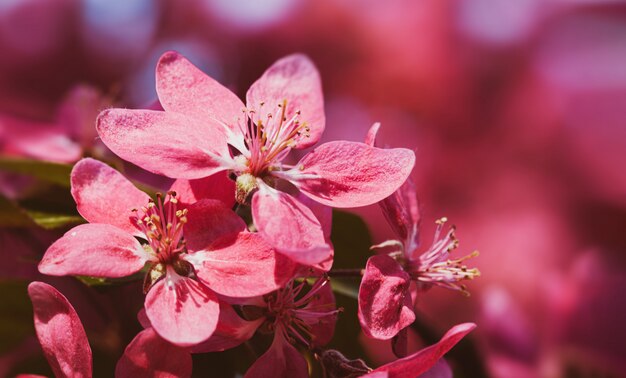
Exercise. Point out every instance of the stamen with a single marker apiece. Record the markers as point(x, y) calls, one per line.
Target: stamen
point(435, 267)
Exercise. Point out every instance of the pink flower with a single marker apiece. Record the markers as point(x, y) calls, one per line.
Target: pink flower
point(295, 318)
point(385, 295)
point(206, 129)
point(60, 332)
point(191, 253)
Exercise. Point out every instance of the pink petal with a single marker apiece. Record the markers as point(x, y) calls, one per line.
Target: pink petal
point(372, 133)
point(181, 310)
point(352, 174)
point(148, 355)
point(401, 208)
point(96, 250)
point(60, 332)
point(217, 186)
point(231, 331)
point(289, 226)
point(323, 213)
point(282, 360)
point(209, 220)
point(402, 212)
point(385, 305)
point(422, 361)
point(183, 88)
point(103, 195)
point(168, 144)
point(295, 79)
point(242, 265)
point(440, 369)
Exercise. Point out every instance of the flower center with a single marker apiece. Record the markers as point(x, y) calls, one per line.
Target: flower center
point(162, 223)
point(269, 138)
point(293, 312)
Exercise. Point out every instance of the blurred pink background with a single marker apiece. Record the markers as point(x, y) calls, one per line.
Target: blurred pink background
point(516, 111)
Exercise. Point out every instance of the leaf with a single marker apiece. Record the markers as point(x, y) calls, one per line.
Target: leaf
point(56, 173)
point(51, 221)
point(350, 290)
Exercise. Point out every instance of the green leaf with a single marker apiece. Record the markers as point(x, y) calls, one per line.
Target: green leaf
point(56, 173)
point(350, 290)
point(51, 221)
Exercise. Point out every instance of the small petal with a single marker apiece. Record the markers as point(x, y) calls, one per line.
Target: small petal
point(289, 226)
point(183, 88)
point(181, 310)
point(96, 250)
point(242, 265)
point(351, 174)
point(385, 305)
point(422, 361)
point(209, 220)
point(282, 360)
point(294, 79)
point(148, 355)
point(402, 212)
point(60, 332)
point(231, 331)
point(103, 195)
point(217, 186)
point(372, 133)
point(168, 144)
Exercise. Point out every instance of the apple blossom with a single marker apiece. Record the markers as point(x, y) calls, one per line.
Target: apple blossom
point(385, 295)
point(191, 253)
point(206, 129)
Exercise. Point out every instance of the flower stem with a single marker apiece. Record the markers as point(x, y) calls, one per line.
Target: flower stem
point(348, 273)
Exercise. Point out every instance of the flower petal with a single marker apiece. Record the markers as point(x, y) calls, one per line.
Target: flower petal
point(351, 174)
point(231, 331)
point(242, 265)
point(148, 355)
point(372, 133)
point(183, 88)
point(402, 212)
point(289, 226)
point(295, 79)
point(168, 144)
point(181, 310)
point(385, 305)
point(401, 208)
point(422, 361)
point(60, 332)
point(103, 195)
point(281, 360)
point(217, 186)
point(96, 250)
point(209, 220)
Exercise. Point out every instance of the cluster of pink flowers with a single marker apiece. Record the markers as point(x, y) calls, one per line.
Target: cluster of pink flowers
point(240, 243)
